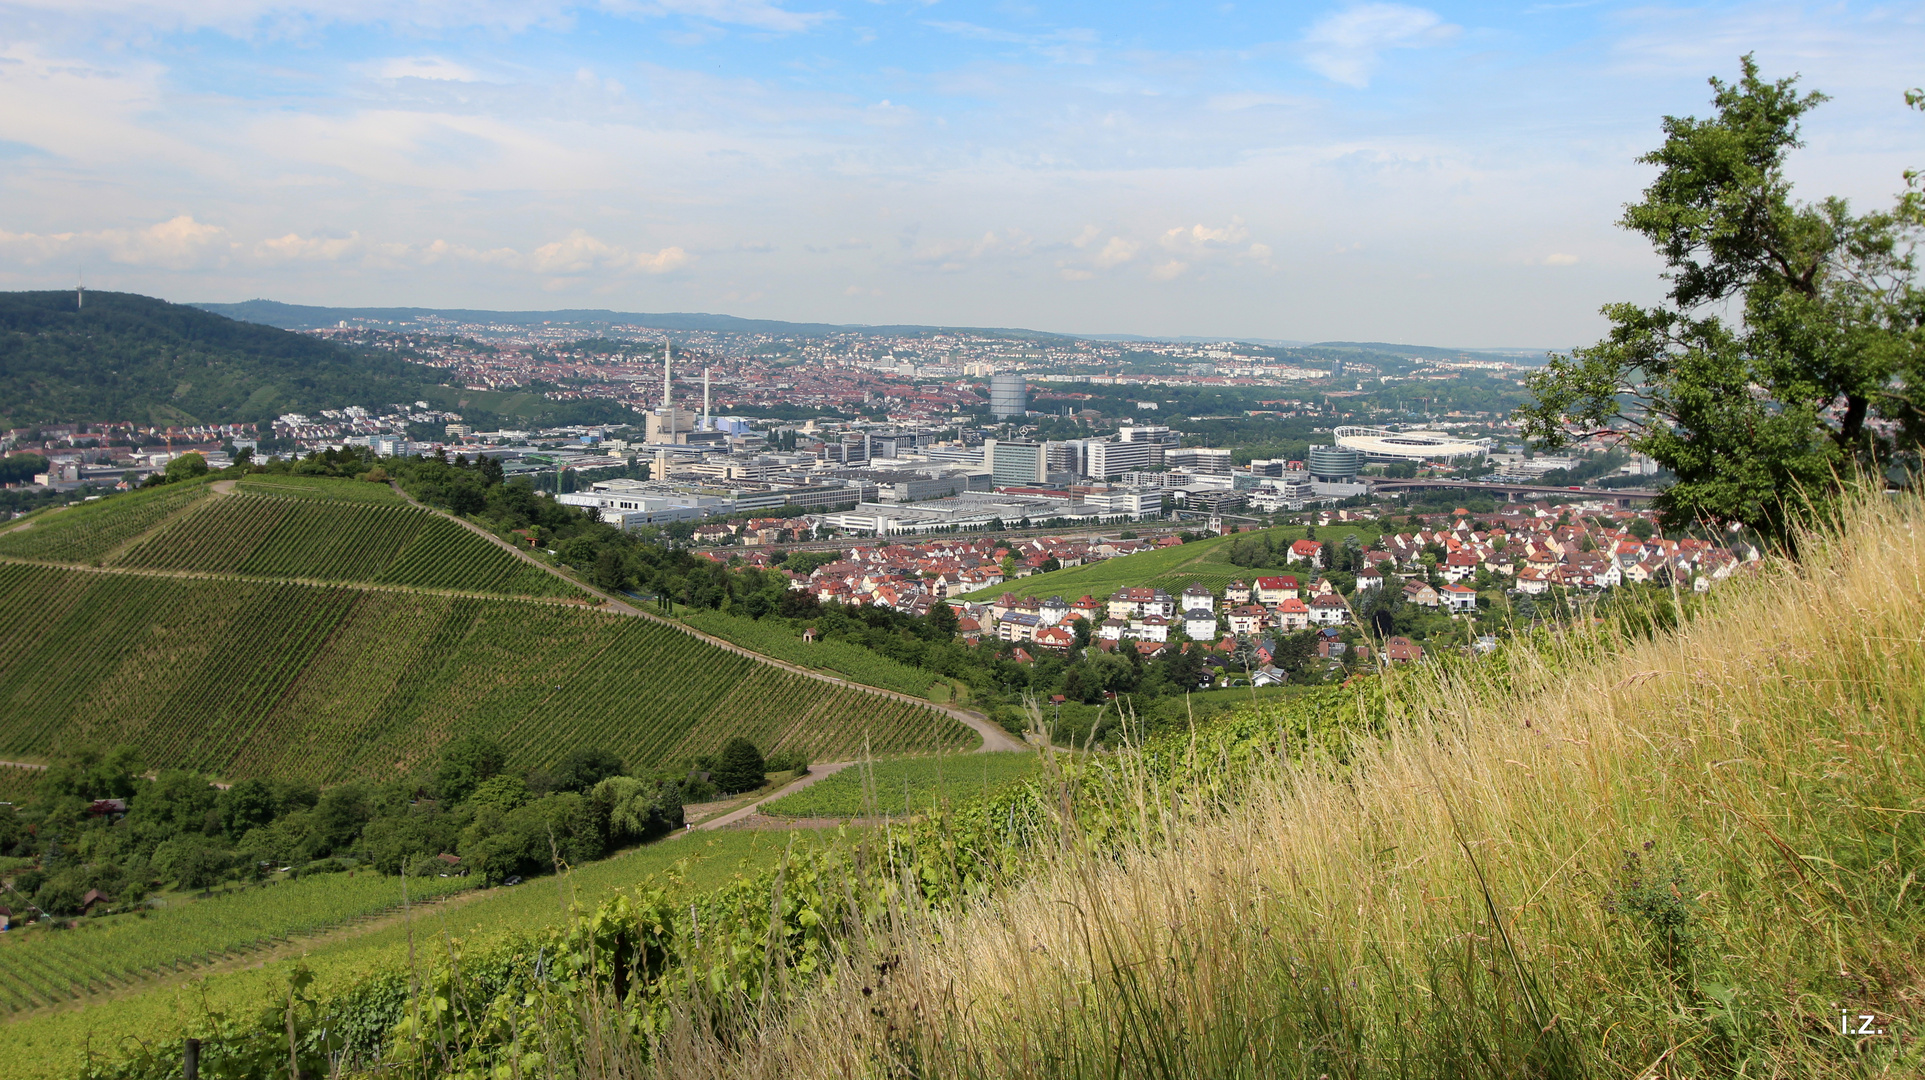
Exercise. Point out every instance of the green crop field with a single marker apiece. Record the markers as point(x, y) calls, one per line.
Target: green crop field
point(43, 966)
point(774, 637)
point(904, 786)
point(310, 538)
point(254, 678)
point(89, 531)
point(320, 487)
point(17, 783)
point(48, 1045)
point(1174, 569)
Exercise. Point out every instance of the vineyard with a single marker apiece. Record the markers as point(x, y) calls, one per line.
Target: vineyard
point(904, 786)
point(49, 1045)
point(16, 784)
point(774, 637)
point(89, 531)
point(317, 539)
point(44, 966)
point(320, 487)
point(245, 678)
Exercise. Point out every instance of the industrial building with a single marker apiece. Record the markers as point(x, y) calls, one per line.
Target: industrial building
point(1008, 396)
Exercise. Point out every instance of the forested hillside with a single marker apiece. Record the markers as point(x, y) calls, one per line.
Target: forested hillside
point(123, 357)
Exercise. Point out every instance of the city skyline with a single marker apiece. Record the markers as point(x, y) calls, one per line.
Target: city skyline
point(1443, 173)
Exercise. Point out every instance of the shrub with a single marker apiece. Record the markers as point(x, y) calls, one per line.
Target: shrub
point(739, 767)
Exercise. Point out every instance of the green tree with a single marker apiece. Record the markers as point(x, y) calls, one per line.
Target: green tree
point(583, 769)
point(190, 862)
point(739, 767)
point(89, 772)
point(465, 764)
point(610, 573)
point(501, 792)
point(1756, 414)
point(20, 468)
point(942, 619)
point(244, 806)
point(186, 467)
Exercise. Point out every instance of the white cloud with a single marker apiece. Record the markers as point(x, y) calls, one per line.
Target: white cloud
point(424, 67)
point(180, 243)
point(579, 253)
point(1117, 252)
point(252, 18)
point(1237, 102)
point(1198, 242)
point(1560, 259)
point(293, 247)
point(1346, 47)
point(759, 14)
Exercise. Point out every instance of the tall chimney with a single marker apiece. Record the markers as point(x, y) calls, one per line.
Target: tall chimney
point(667, 401)
point(706, 425)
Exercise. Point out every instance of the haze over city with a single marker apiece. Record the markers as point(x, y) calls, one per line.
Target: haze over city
point(1444, 173)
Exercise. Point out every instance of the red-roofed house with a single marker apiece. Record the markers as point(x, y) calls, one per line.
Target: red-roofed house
point(1275, 590)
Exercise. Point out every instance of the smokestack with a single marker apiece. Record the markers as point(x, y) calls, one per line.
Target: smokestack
point(667, 401)
point(706, 425)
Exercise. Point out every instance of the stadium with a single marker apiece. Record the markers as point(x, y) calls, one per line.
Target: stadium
point(1384, 445)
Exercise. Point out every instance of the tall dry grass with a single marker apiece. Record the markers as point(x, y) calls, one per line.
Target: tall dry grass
point(1675, 855)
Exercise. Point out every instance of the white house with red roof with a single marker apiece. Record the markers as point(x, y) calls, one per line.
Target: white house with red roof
point(1275, 590)
point(1292, 615)
point(1307, 551)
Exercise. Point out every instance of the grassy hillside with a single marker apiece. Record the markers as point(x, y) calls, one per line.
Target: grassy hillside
point(48, 967)
point(837, 657)
point(45, 1045)
point(1640, 850)
point(1690, 853)
point(1174, 569)
point(905, 787)
point(243, 678)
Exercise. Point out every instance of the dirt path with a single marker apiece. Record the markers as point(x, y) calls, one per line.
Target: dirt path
point(995, 739)
point(816, 772)
point(20, 765)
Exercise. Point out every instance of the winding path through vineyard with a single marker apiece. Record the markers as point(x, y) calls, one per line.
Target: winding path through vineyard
point(995, 739)
point(816, 772)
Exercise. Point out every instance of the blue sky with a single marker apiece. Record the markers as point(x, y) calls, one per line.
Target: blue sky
point(1440, 173)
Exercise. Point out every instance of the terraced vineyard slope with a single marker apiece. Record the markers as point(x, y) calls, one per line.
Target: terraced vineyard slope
point(124, 950)
point(327, 630)
point(240, 678)
point(293, 532)
point(87, 532)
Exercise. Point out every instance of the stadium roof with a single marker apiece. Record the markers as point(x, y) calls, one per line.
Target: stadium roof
point(1382, 444)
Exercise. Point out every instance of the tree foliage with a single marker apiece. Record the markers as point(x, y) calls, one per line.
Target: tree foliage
point(739, 767)
point(1791, 346)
